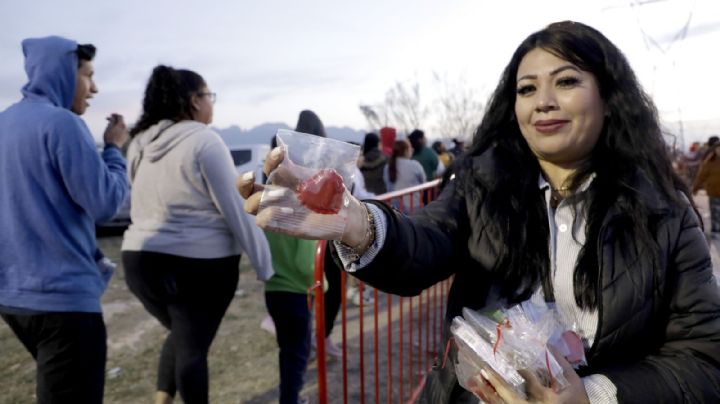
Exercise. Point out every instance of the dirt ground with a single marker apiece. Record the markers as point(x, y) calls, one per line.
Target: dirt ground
point(243, 357)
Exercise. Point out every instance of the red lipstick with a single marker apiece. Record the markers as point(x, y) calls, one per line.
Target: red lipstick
point(550, 125)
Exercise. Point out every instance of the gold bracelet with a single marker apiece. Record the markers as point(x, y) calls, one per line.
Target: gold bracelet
point(355, 251)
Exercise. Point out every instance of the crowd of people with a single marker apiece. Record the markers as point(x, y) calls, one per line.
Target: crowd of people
point(181, 252)
point(706, 175)
point(566, 196)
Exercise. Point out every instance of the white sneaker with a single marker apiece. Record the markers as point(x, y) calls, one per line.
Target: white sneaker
point(367, 297)
point(268, 325)
point(332, 349)
point(350, 295)
point(353, 296)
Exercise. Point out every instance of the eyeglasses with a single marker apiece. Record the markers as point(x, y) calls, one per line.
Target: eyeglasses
point(213, 96)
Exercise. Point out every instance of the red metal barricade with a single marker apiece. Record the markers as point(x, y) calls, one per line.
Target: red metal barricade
point(410, 331)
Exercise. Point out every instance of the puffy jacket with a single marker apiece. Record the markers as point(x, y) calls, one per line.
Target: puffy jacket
point(708, 176)
point(658, 337)
point(372, 170)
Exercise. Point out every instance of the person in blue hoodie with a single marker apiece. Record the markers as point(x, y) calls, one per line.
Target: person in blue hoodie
point(54, 186)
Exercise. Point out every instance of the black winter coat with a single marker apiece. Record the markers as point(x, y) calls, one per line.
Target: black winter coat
point(372, 170)
point(656, 344)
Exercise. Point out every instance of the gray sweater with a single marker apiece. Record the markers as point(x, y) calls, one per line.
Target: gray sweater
point(409, 174)
point(184, 201)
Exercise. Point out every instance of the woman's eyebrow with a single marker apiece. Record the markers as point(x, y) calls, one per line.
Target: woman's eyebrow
point(552, 73)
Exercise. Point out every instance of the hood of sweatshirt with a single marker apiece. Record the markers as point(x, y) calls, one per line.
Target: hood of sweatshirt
point(374, 159)
point(162, 137)
point(51, 67)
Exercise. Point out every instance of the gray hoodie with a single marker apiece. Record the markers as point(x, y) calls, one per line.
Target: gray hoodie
point(184, 201)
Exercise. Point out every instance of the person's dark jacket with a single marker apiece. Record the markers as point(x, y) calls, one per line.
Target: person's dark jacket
point(372, 170)
point(656, 344)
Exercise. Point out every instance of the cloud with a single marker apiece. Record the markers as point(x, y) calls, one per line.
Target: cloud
point(693, 31)
point(261, 86)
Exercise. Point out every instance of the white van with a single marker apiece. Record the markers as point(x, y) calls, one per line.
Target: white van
point(250, 157)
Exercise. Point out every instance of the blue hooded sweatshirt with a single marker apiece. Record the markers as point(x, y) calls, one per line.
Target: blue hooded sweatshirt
point(54, 186)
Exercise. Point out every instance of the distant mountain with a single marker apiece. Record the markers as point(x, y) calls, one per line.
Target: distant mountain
point(234, 135)
point(346, 133)
point(262, 134)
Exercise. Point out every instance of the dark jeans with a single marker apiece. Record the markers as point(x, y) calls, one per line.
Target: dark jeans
point(70, 351)
point(333, 294)
point(291, 315)
point(714, 214)
point(189, 296)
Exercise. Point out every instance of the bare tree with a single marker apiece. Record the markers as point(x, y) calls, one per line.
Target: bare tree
point(405, 106)
point(456, 111)
point(458, 106)
point(376, 116)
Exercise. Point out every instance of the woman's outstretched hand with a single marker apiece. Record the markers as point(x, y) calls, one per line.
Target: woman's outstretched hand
point(283, 176)
point(249, 189)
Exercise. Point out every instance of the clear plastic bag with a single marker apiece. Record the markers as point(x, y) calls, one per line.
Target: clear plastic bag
point(476, 353)
point(518, 341)
point(307, 194)
point(570, 345)
point(525, 341)
point(566, 341)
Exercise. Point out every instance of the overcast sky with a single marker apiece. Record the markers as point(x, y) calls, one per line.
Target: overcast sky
point(268, 60)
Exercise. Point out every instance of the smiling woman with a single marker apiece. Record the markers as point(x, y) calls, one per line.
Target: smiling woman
point(566, 196)
point(559, 110)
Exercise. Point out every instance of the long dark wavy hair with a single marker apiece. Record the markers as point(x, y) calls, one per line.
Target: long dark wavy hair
point(168, 95)
point(630, 146)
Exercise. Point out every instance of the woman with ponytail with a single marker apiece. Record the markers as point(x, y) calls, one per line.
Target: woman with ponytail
point(401, 172)
point(566, 196)
point(182, 250)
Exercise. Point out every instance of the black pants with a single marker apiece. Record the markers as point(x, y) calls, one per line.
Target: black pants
point(189, 297)
point(291, 316)
point(714, 214)
point(70, 351)
point(333, 294)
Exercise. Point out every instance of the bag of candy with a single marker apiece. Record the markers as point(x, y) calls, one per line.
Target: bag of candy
point(516, 338)
point(308, 192)
point(476, 353)
point(523, 338)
